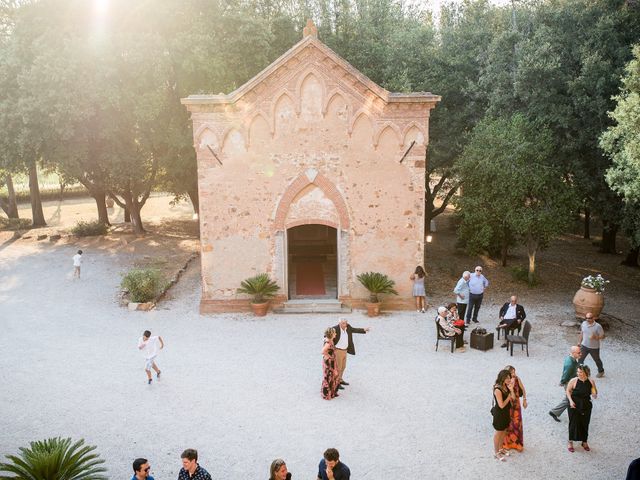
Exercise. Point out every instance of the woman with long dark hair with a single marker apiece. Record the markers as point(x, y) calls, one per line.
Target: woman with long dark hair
point(418, 287)
point(502, 397)
point(580, 390)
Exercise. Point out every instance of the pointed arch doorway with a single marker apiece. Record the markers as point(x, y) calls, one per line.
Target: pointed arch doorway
point(312, 262)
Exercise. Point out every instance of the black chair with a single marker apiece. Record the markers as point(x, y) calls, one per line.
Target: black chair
point(517, 339)
point(518, 328)
point(441, 336)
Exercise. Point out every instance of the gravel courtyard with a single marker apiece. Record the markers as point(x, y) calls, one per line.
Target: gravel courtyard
point(244, 390)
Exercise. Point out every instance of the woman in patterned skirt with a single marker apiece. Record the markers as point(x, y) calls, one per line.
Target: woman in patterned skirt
point(514, 438)
point(329, 370)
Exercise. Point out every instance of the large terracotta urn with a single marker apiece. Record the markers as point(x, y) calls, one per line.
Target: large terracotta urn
point(587, 300)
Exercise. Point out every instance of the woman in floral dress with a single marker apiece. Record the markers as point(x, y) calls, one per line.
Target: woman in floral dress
point(329, 370)
point(514, 438)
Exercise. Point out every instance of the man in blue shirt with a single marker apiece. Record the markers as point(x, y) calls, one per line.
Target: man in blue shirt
point(477, 285)
point(331, 468)
point(141, 469)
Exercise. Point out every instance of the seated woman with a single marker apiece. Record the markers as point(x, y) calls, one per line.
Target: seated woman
point(448, 329)
point(454, 320)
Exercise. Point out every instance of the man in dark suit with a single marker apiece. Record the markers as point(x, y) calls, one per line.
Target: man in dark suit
point(511, 317)
point(344, 344)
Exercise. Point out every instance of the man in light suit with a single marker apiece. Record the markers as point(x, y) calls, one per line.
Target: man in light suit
point(344, 344)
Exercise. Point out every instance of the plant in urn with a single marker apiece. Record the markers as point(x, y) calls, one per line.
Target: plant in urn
point(590, 297)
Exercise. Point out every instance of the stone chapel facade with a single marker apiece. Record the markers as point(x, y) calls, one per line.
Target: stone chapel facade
point(312, 173)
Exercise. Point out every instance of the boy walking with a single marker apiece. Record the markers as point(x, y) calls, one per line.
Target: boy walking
point(77, 263)
point(149, 346)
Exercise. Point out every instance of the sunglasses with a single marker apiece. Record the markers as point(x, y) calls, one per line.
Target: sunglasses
point(147, 469)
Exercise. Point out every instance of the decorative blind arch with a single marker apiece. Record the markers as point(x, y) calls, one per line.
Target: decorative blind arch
point(311, 177)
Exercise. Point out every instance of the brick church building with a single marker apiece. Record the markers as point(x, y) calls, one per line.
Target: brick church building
point(312, 173)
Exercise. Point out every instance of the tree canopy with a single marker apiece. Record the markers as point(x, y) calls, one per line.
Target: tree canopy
point(97, 95)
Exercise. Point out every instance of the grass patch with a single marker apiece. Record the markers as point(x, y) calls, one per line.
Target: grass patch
point(89, 229)
point(143, 284)
point(521, 274)
point(15, 223)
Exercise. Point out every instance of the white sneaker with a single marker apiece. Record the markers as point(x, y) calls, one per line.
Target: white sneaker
point(418, 310)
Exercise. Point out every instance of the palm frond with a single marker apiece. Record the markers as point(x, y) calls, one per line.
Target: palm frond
point(260, 286)
point(377, 283)
point(54, 459)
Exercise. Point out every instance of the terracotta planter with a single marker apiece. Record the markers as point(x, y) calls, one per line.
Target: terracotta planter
point(587, 300)
point(373, 309)
point(260, 309)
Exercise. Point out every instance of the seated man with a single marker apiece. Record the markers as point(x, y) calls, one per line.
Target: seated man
point(511, 317)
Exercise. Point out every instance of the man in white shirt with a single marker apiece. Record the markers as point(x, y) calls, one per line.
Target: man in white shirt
point(77, 263)
point(344, 344)
point(477, 285)
point(149, 346)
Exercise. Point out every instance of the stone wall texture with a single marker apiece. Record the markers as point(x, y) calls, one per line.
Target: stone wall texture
point(309, 140)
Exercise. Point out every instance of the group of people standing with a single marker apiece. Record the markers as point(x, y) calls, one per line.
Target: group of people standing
point(579, 388)
point(508, 389)
point(338, 342)
point(469, 292)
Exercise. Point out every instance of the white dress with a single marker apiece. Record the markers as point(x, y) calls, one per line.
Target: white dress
point(418, 287)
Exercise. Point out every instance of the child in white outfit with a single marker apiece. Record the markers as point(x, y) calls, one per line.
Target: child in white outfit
point(77, 263)
point(149, 346)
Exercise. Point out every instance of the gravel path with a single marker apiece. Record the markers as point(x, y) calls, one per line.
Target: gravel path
point(244, 390)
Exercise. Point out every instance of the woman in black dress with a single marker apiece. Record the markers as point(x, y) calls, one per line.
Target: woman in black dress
point(579, 392)
point(503, 395)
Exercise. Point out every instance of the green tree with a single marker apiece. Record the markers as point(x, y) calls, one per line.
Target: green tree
point(464, 34)
point(621, 142)
point(20, 146)
point(511, 188)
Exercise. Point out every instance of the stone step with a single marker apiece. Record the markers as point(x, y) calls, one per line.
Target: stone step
point(313, 306)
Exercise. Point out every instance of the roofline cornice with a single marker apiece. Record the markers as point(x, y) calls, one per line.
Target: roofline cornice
point(385, 95)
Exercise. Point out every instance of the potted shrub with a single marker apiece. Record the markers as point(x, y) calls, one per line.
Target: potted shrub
point(590, 297)
point(262, 288)
point(376, 283)
point(55, 458)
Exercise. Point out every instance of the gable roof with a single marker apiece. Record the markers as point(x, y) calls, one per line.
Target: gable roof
point(310, 40)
